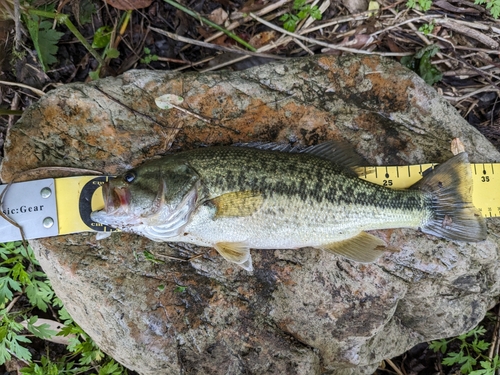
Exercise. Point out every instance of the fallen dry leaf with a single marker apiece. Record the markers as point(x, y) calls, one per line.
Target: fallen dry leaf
point(261, 39)
point(354, 41)
point(129, 4)
point(218, 16)
point(54, 326)
point(166, 101)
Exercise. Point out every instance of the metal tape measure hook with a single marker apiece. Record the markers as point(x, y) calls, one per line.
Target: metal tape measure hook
point(85, 203)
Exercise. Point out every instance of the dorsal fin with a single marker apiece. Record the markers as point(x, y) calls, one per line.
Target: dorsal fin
point(337, 152)
point(271, 146)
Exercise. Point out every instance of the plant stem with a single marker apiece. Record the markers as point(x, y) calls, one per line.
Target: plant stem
point(10, 112)
point(210, 23)
point(125, 22)
point(63, 18)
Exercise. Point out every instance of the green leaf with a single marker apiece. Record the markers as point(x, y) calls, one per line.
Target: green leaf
point(47, 368)
point(112, 53)
point(480, 330)
point(409, 62)
point(425, 5)
point(290, 25)
point(421, 64)
point(480, 345)
point(149, 256)
point(4, 354)
point(74, 344)
point(102, 37)
point(486, 369)
point(180, 289)
point(426, 28)
point(70, 330)
point(47, 42)
point(87, 9)
point(39, 294)
point(42, 331)
point(297, 4)
point(468, 364)
point(7, 285)
point(496, 362)
point(439, 345)
point(283, 18)
point(431, 50)
point(19, 274)
point(64, 316)
point(428, 72)
point(111, 368)
point(316, 13)
point(3, 329)
point(44, 39)
point(495, 10)
point(14, 346)
point(411, 4)
point(453, 358)
point(304, 12)
point(90, 353)
point(27, 253)
point(94, 75)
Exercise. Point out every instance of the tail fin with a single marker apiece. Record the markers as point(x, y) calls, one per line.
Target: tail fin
point(454, 216)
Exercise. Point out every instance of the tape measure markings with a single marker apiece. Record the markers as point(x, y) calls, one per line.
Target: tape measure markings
point(485, 191)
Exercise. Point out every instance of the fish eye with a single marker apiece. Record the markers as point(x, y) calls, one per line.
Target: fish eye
point(129, 176)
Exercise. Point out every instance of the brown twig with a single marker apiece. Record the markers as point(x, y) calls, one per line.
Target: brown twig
point(469, 31)
point(35, 90)
point(133, 110)
point(394, 367)
point(17, 20)
point(263, 11)
point(319, 43)
point(475, 92)
point(495, 343)
point(212, 46)
point(176, 258)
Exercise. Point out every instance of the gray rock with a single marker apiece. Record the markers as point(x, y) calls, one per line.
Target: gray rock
point(301, 311)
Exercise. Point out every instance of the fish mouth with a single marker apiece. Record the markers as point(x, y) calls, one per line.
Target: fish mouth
point(116, 199)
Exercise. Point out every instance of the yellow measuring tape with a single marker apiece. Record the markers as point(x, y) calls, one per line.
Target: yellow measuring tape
point(69, 198)
point(70, 190)
point(485, 182)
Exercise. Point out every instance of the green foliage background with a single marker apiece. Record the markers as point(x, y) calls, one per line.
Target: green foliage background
point(26, 291)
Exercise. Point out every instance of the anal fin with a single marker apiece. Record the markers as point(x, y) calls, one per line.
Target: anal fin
point(361, 248)
point(236, 252)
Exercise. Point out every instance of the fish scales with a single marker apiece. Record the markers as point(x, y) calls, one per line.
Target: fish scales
point(302, 182)
point(237, 198)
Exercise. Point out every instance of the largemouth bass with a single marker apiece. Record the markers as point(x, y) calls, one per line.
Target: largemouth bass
point(238, 198)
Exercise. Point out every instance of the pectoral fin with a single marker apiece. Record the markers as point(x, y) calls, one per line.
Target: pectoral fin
point(239, 203)
point(236, 252)
point(362, 248)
